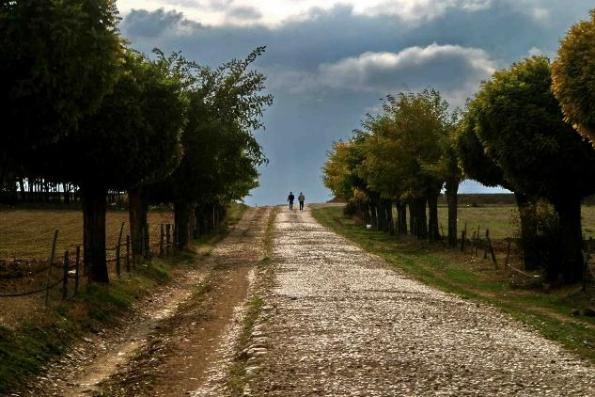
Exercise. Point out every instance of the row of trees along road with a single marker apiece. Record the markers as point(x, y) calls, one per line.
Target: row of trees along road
point(519, 132)
point(83, 108)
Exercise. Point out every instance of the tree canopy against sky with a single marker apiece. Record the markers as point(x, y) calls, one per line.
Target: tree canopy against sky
point(574, 77)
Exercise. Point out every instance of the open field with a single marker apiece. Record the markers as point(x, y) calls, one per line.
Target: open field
point(473, 278)
point(27, 233)
point(501, 219)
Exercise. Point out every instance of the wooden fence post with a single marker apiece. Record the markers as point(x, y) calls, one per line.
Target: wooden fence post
point(491, 248)
point(161, 235)
point(65, 276)
point(77, 267)
point(50, 263)
point(506, 261)
point(485, 247)
point(463, 237)
point(118, 249)
point(147, 242)
point(128, 253)
point(168, 237)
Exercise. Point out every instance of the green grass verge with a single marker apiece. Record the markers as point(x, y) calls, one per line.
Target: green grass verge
point(471, 278)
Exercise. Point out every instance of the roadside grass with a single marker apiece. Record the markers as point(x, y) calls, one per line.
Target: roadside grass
point(24, 349)
point(501, 219)
point(472, 278)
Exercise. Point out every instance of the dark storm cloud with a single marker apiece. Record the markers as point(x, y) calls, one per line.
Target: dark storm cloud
point(328, 70)
point(151, 25)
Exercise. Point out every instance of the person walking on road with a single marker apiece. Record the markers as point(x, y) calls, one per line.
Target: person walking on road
point(301, 199)
point(290, 199)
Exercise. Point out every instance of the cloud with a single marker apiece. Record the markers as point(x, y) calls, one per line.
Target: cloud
point(142, 23)
point(332, 64)
point(421, 10)
point(243, 13)
point(446, 65)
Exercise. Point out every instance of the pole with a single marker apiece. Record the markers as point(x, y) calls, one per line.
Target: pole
point(50, 263)
point(65, 276)
point(77, 269)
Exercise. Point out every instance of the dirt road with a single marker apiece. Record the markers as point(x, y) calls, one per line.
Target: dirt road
point(340, 322)
point(178, 341)
point(333, 320)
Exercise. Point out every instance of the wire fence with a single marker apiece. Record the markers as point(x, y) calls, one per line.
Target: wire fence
point(68, 272)
point(504, 255)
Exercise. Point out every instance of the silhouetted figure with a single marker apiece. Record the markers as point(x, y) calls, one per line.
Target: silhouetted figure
point(290, 198)
point(301, 199)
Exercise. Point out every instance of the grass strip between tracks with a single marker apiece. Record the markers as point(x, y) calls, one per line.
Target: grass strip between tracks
point(237, 378)
point(471, 278)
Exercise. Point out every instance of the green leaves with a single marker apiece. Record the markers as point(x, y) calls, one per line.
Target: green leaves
point(59, 59)
point(573, 75)
point(521, 128)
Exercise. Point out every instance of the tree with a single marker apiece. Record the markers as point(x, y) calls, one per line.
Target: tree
point(164, 107)
point(521, 126)
point(478, 166)
point(404, 158)
point(131, 138)
point(573, 77)
point(59, 59)
point(220, 150)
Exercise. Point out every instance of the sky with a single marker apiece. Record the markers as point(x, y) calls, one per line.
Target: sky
point(329, 62)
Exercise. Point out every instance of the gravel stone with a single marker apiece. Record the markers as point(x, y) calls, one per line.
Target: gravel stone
point(344, 323)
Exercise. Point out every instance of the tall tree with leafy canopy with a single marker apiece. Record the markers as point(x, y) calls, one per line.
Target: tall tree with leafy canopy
point(413, 126)
point(573, 77)
point(225, 107)
point(59, 59)
point(521, 126)
point(133, 137)
point(476, 165)
point(164, 106)
point(342, 173)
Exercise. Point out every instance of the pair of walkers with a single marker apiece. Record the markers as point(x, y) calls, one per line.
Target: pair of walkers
point(301, 199)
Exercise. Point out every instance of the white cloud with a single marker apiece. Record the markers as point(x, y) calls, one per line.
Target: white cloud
point(419, 10)
point(272, 13)
point(453, 69)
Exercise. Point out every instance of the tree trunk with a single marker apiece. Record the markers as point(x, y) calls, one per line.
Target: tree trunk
point(571, 239)
point(421, 218)
point(373, 215)
point(182, 214)
point(391, 220)
point(433, 230)
point(137, 214)
point(528, 227)
point(452, 190)
point(94, 206)
point(401, 217)
point(412, 221)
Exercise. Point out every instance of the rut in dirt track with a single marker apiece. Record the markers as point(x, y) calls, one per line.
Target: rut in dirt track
point(341, 322)
point(177, 341)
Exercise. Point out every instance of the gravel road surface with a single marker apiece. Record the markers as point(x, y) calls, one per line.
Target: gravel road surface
point(341, 322)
